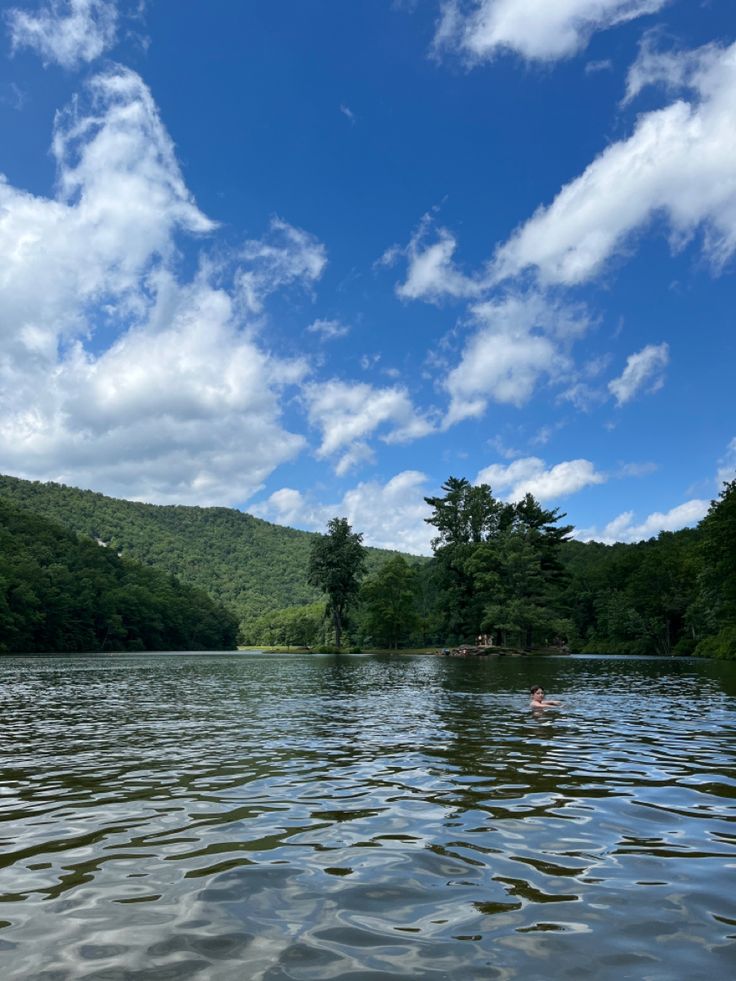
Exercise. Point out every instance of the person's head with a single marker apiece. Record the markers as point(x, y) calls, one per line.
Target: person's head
point(537, 692)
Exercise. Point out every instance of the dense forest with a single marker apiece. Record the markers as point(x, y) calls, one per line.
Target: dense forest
point(247, 565)
point(60, 593)
point(509, 571)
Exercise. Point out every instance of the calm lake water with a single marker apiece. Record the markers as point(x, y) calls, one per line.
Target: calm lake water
point(296, 817)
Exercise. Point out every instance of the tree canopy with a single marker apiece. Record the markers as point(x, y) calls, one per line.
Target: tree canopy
point(59, 593)
point(336, 566)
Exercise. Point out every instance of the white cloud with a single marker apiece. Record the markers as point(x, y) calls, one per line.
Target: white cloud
point(67, 32)
point(289, 507)
point(432, 274)
point(582, 395)
point(529, 476)
point(540, 30)
point(389, 515)
point(286, 256)
point(727, 465)
point(672, 70)
point(368, 361)
point(348, 413)
point(624, 529)
point(521, 338)
point(643, 369)
point(120, 201)
point(114, 374)
point(603, 65)
point(186, 413)
point(678, 163)
point(357, 454)
point(328, 330)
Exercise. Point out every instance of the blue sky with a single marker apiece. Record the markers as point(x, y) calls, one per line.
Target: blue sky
point(312, 258)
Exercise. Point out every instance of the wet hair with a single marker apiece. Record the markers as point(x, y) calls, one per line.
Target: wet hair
point(535, 688)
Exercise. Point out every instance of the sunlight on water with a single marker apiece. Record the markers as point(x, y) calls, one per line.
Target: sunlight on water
point(217, 817)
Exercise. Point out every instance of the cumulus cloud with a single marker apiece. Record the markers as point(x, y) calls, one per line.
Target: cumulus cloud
point(644, 370)
point(328, 330)
point(537, 30)
point(389, 515)
point(114, 374)
point(186, 413)
point(347, 414)
point(431, 274)
point(121, 199)
point(520, 340)
point(286, 256)
point(530, 476)
point(625, 529)
point(677, 164)
point(66, 32)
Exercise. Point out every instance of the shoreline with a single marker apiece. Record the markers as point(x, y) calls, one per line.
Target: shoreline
point(472, 652)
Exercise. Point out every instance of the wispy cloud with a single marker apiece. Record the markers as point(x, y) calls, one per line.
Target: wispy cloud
point(594, 67)
point(644, 371)
point(66, 32)
point(727, 464)
point(286, 256)
point(11, 94)
point(328, 330)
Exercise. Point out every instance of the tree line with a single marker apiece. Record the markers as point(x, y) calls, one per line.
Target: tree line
point(511, 572)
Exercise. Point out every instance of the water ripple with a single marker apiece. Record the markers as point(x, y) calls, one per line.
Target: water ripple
point(224, 817)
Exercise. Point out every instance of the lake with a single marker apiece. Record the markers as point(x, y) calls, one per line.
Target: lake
point(304, 817)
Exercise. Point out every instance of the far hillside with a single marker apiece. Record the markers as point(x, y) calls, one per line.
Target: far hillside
point(60, 593)
point(249, 565)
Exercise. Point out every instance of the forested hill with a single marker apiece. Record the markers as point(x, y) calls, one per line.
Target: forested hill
point(60, 593)
point(247, 564)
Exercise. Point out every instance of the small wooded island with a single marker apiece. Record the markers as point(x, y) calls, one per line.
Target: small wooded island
point(83, 572)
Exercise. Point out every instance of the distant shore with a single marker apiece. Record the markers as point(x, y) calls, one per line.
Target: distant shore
point(436, 651)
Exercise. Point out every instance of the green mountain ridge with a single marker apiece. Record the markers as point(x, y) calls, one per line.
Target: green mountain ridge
point(249, 565)
point(62, 593)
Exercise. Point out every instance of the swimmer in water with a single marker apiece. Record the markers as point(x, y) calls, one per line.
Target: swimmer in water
point(538, 700)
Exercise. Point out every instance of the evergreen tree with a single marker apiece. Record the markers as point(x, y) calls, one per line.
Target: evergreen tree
point(498, 565)
point(467, 519)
